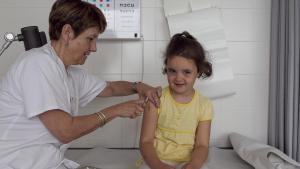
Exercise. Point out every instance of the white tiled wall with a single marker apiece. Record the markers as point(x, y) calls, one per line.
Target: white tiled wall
point(246, 24)
point(247, 30)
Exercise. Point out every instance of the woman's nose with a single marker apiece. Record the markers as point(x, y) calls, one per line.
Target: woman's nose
point(93, 47)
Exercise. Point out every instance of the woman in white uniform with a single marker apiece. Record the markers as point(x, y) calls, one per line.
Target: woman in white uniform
point(41, 93)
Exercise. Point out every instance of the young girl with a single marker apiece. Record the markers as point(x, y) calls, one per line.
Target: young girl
point(176, 135)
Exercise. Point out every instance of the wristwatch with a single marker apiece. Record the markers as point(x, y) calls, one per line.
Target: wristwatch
point(134, 86)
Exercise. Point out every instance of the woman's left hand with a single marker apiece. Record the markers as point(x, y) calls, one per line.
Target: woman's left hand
point(150, 93)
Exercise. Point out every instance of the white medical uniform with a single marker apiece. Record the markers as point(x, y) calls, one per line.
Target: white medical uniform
point(36, 83)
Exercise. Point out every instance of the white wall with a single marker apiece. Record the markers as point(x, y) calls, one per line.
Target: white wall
point(246, 24)
point(247, 30)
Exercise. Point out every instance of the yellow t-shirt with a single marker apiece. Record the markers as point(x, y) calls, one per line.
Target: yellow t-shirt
point(177, 124)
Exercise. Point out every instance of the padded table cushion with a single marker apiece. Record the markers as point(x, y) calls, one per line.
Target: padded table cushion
point(104, 158)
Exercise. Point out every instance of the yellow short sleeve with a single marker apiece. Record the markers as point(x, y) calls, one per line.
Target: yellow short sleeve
point(207, 111)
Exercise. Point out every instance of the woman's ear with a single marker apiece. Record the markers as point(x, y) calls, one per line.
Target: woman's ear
point(67, 33)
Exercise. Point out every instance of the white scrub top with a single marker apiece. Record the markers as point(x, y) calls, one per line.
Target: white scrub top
point(38, 82)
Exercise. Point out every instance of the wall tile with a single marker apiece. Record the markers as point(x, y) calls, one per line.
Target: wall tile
point(159, 3)
point(22, 17)
point(161, 25)
point(243, 25)
point(132, 56)
point(9, 56)
point(156, 79)
point(251, 123)
point(148, 23)
point(107, 59)
point(153, 61)
point(151, 3)
point(246, 4)
point(110, 76)
point(28, 4)
point(262, 24)
point(133, 77)
point(148, 3)
point(249, 57)
point(251, 92)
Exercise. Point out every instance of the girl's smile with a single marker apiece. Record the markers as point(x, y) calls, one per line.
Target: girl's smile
point(181, 74)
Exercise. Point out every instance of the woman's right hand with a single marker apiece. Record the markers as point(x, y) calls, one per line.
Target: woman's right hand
point(130, 109)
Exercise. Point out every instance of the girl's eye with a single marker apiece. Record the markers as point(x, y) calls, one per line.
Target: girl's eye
point(171, 71)
point(90, 39)
point(187, 72)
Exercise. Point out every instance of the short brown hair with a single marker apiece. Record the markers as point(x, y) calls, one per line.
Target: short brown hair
point(79, 14)
point(186, 46)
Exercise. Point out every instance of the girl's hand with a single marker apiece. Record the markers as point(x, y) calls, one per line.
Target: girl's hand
point(166, 166)
point(187, 166)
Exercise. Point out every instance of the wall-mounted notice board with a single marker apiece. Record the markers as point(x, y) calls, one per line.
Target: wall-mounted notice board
point(123, 18)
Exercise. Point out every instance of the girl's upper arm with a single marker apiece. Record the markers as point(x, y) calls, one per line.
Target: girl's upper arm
point(203, 133)
point(150, 118)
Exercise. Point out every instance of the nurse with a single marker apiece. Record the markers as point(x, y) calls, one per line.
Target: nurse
point(41, 92)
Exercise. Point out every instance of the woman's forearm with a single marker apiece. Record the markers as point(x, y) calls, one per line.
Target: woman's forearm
point(121, 88)
point(67, 128)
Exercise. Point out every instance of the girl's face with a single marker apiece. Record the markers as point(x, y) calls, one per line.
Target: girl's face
point(81, 46)
point(181, 74)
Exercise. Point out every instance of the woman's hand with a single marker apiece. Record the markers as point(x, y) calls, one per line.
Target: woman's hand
point(150, 93)
point(130, 109)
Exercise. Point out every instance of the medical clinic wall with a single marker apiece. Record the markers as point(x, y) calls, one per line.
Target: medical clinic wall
point(246, 26)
